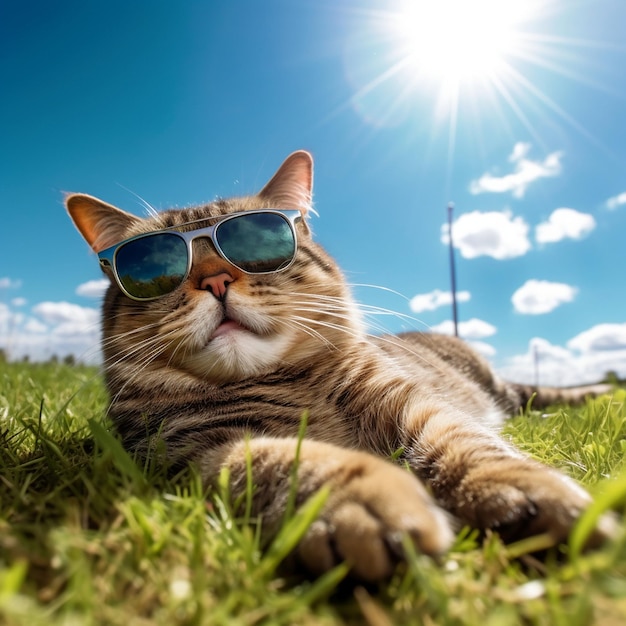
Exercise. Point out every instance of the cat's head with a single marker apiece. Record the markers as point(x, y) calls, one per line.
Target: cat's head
point(222, 323)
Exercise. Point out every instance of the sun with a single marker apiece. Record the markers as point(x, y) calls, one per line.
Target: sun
point(458, 41)
point(447, 51)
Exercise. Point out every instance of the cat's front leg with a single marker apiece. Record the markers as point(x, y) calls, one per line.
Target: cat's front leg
point(372, 503)
point(488, 484)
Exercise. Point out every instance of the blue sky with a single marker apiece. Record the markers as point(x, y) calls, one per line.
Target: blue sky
point(180, 102)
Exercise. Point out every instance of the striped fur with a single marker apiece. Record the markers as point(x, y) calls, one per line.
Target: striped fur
point(301, 347)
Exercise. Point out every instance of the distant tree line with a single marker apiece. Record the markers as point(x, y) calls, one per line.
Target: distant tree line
point(612, 378)
point(68, 359)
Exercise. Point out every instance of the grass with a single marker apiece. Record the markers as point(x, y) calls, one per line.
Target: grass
point(88, 537)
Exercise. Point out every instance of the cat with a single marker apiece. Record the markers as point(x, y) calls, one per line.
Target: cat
point(224, 362)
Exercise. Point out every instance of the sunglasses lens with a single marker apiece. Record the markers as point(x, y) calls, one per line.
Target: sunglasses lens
point(152, 266)
point(257, 243)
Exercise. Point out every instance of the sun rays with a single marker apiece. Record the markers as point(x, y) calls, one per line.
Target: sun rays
point(489, 61)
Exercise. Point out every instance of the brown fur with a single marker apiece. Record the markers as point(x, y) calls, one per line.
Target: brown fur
point(304, 349)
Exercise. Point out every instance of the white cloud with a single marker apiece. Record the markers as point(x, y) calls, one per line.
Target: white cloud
point(563, 367)
point(535, 297)
point(93, 288)
point(483, 348)
point(70, 323)
point(616, 201)
point(5, 314)
point(9, 319)
point(56, 328)
point(520, 150)
point(65, 312)
point(495, 234)
point(524, 173)
point(435, 299)
point(34, 326)
point(18, 301)
point(445, 328)
point(544, 363)
point(542, 348)
point(471, 329)
point(564, 223)
point(600, 338)
point(9, 283)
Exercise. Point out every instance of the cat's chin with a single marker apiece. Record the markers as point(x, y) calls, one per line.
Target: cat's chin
point(234, 353)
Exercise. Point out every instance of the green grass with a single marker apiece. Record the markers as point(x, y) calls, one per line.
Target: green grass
point(88, 537)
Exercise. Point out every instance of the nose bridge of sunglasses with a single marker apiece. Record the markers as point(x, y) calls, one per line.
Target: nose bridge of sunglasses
point(207, 262)
point(203, 247)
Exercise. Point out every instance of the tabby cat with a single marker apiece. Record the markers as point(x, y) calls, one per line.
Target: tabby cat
point(224, 323)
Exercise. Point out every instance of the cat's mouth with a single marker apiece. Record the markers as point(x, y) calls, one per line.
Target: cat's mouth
point(228, 326)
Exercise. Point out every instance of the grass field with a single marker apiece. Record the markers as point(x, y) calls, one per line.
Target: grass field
point(88, 537)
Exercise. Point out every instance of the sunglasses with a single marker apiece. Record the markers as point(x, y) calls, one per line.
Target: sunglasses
point(152, 265)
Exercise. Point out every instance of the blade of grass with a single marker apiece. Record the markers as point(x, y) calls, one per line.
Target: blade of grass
point(294, 529)
point(610, 496)
point(124, 463)
point(293, 477)
point(326, 584)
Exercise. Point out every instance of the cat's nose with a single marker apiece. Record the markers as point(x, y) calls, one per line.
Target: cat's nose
point(217, 284)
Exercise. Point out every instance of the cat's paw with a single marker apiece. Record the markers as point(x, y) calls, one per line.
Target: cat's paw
point(521, 498)
point(372, 504)
point(370, 509)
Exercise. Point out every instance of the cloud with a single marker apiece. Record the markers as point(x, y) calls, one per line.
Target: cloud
point(55, 328)
point(69, 322)
point(471, 329)
point(9, 283)
point(483, 348)
point(600, 338)
point(578, 364)
point(564, 223)
point(34, 326)
point(616, 201)
point(65, 312)
point(542, 348)
point(524, 173)
point(520, 150)
point(435, 299)
point(5, 314)
point(544, 363)
point(536, 297)
point(495, 234)
point(93, 288)
point(9, 319)
point(18, 301)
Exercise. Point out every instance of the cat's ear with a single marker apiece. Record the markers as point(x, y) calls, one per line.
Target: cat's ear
point(291, 187)
point(101, 224)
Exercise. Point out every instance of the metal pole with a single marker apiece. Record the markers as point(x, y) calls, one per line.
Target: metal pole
point(455, 318)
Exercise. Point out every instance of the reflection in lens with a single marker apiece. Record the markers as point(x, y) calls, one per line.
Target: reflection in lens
point(152, 266)
point(258, 242)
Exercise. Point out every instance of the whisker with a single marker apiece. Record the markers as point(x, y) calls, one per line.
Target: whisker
point(381, 288)
point(146, 345)
point(330, 325)
point(296, 323)
point(127, 334)
point(150, 358)
point(390, 340)
point(152, 212)
point(362, 307)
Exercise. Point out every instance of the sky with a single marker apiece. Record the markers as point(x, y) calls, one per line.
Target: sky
point(512, 110)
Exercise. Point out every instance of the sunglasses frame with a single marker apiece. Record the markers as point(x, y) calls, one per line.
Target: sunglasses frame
point(108, 256)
